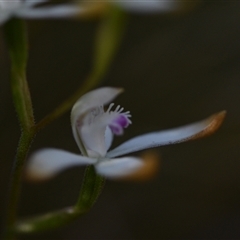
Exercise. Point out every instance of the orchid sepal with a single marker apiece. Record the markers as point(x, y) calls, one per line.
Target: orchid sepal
point(171, 136)
point(48, 162)
point(84, 105)
point(27, 9)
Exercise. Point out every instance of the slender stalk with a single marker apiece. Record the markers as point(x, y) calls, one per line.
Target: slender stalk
point(89, 83)
point(108, 39)
point(15, 184)
point(91, 189)
point(16, 40)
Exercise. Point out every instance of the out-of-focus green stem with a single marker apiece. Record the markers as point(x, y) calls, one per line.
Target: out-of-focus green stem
point(89, 83)
point(15, 182)
point(91, 188)
point(47, 221)
point(108, 39)
point(16, 40)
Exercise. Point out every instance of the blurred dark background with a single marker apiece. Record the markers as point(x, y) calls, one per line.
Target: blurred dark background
point(175, 70)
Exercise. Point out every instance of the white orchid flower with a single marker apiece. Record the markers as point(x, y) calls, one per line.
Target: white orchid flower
point(93, 129)
point(27, 9)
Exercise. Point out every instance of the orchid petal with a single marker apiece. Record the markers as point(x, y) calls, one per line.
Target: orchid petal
point(95, 133)
point(86, 103)
point(151, 162)
point(46, 163)
point(9, 6)
point(118, 167)
point(172, 136)
point(149, 5)
point(108, 138)
point(30, 3)
point(49, 12)
point(4, 17)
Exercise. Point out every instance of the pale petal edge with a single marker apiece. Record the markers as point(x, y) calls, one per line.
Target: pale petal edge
point(171, 136)
point(47, 163)
point(213, 123)
point(148, 170)
point(118, 167)
point(50, 12)
point(149, 6)
point(31, 3)
point(88, 101)
point(92, 99)
point(4, 18)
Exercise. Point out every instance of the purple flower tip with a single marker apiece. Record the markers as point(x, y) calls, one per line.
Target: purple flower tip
point(119, 123)
point(122, 120)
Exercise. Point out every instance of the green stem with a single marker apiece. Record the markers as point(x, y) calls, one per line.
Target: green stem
point(15, 184)
point(108, 39)
point(89, 83)
point(47, 221)
point(16, 40)
point(91, 189)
